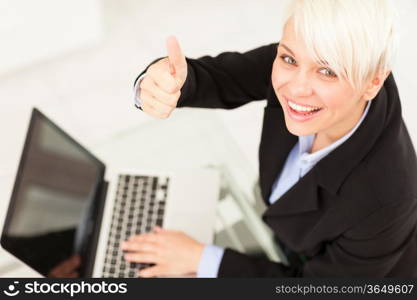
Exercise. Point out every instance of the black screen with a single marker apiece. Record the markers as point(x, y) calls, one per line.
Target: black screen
point(48, 223)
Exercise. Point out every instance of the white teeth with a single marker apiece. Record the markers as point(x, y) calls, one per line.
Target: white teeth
point(301, 108)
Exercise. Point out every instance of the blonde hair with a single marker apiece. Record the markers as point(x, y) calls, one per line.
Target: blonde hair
point(356, 39)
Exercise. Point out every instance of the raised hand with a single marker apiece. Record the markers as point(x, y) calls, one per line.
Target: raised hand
point(161, 87)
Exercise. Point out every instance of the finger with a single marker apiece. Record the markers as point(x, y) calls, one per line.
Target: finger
point(161, 95)
point(76, 260)
point(66, 266)
point(162, 78)
point(158, 229)
point(149, 237)
point(176, 58)
point(152, 271)
point(70, 265)
point(139, 247)
point(160, 232)
point(59, 269)
point(73, 275)
point(150, 110)
point(142, 257)
point(160, 109)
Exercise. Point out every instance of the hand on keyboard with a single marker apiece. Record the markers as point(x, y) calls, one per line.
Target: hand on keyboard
point(173, 252)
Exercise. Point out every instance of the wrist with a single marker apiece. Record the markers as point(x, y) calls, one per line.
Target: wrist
point(198, 252)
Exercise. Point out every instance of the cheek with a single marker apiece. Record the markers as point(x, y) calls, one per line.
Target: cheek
point(278, 77)
point(334, 99)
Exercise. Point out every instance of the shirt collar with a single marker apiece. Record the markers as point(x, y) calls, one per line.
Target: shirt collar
point(305, 143)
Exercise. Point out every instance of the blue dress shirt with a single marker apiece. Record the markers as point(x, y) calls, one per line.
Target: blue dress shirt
point(299, 161)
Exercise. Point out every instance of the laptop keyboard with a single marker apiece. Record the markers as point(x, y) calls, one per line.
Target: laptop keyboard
point(139, 207)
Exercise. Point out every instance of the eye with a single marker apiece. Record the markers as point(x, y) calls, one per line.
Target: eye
point(288, 61)
point(329, 73)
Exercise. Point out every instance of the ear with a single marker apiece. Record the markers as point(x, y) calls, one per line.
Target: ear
point(375, 85)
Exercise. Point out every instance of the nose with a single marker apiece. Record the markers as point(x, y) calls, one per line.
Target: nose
point(300, 85)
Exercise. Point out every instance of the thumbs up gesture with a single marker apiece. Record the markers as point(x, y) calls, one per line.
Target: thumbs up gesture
point(160, 88)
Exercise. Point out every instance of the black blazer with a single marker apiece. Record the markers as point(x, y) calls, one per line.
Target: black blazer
point(354, 213)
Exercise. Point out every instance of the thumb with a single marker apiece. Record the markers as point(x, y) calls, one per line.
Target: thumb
point(177, 62)
point(158, 229)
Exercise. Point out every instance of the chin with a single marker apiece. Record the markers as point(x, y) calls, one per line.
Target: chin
point(298, 130)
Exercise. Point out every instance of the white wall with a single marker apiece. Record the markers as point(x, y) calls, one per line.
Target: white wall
point(32, 31)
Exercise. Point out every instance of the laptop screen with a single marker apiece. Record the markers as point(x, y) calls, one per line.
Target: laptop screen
point(47, 224)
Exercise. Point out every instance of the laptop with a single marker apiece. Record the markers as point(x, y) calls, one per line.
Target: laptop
point(67, 202)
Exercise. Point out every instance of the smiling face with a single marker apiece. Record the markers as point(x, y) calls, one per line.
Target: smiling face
point(313, 98)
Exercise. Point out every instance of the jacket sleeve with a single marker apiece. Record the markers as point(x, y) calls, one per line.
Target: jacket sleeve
point(371, 248)
point(236, 264)
point(228, 80)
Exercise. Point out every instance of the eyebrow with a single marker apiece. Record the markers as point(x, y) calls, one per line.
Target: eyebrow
point(288, 49)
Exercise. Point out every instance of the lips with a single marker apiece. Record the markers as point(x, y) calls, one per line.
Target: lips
point(300, 112)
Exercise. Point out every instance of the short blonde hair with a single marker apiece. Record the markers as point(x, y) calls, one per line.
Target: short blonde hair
point(356, 39)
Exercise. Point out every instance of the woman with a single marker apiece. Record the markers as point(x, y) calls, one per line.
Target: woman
point(337, 167)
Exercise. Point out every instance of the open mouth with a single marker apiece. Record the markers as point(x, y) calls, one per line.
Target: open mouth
point(302, 112)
